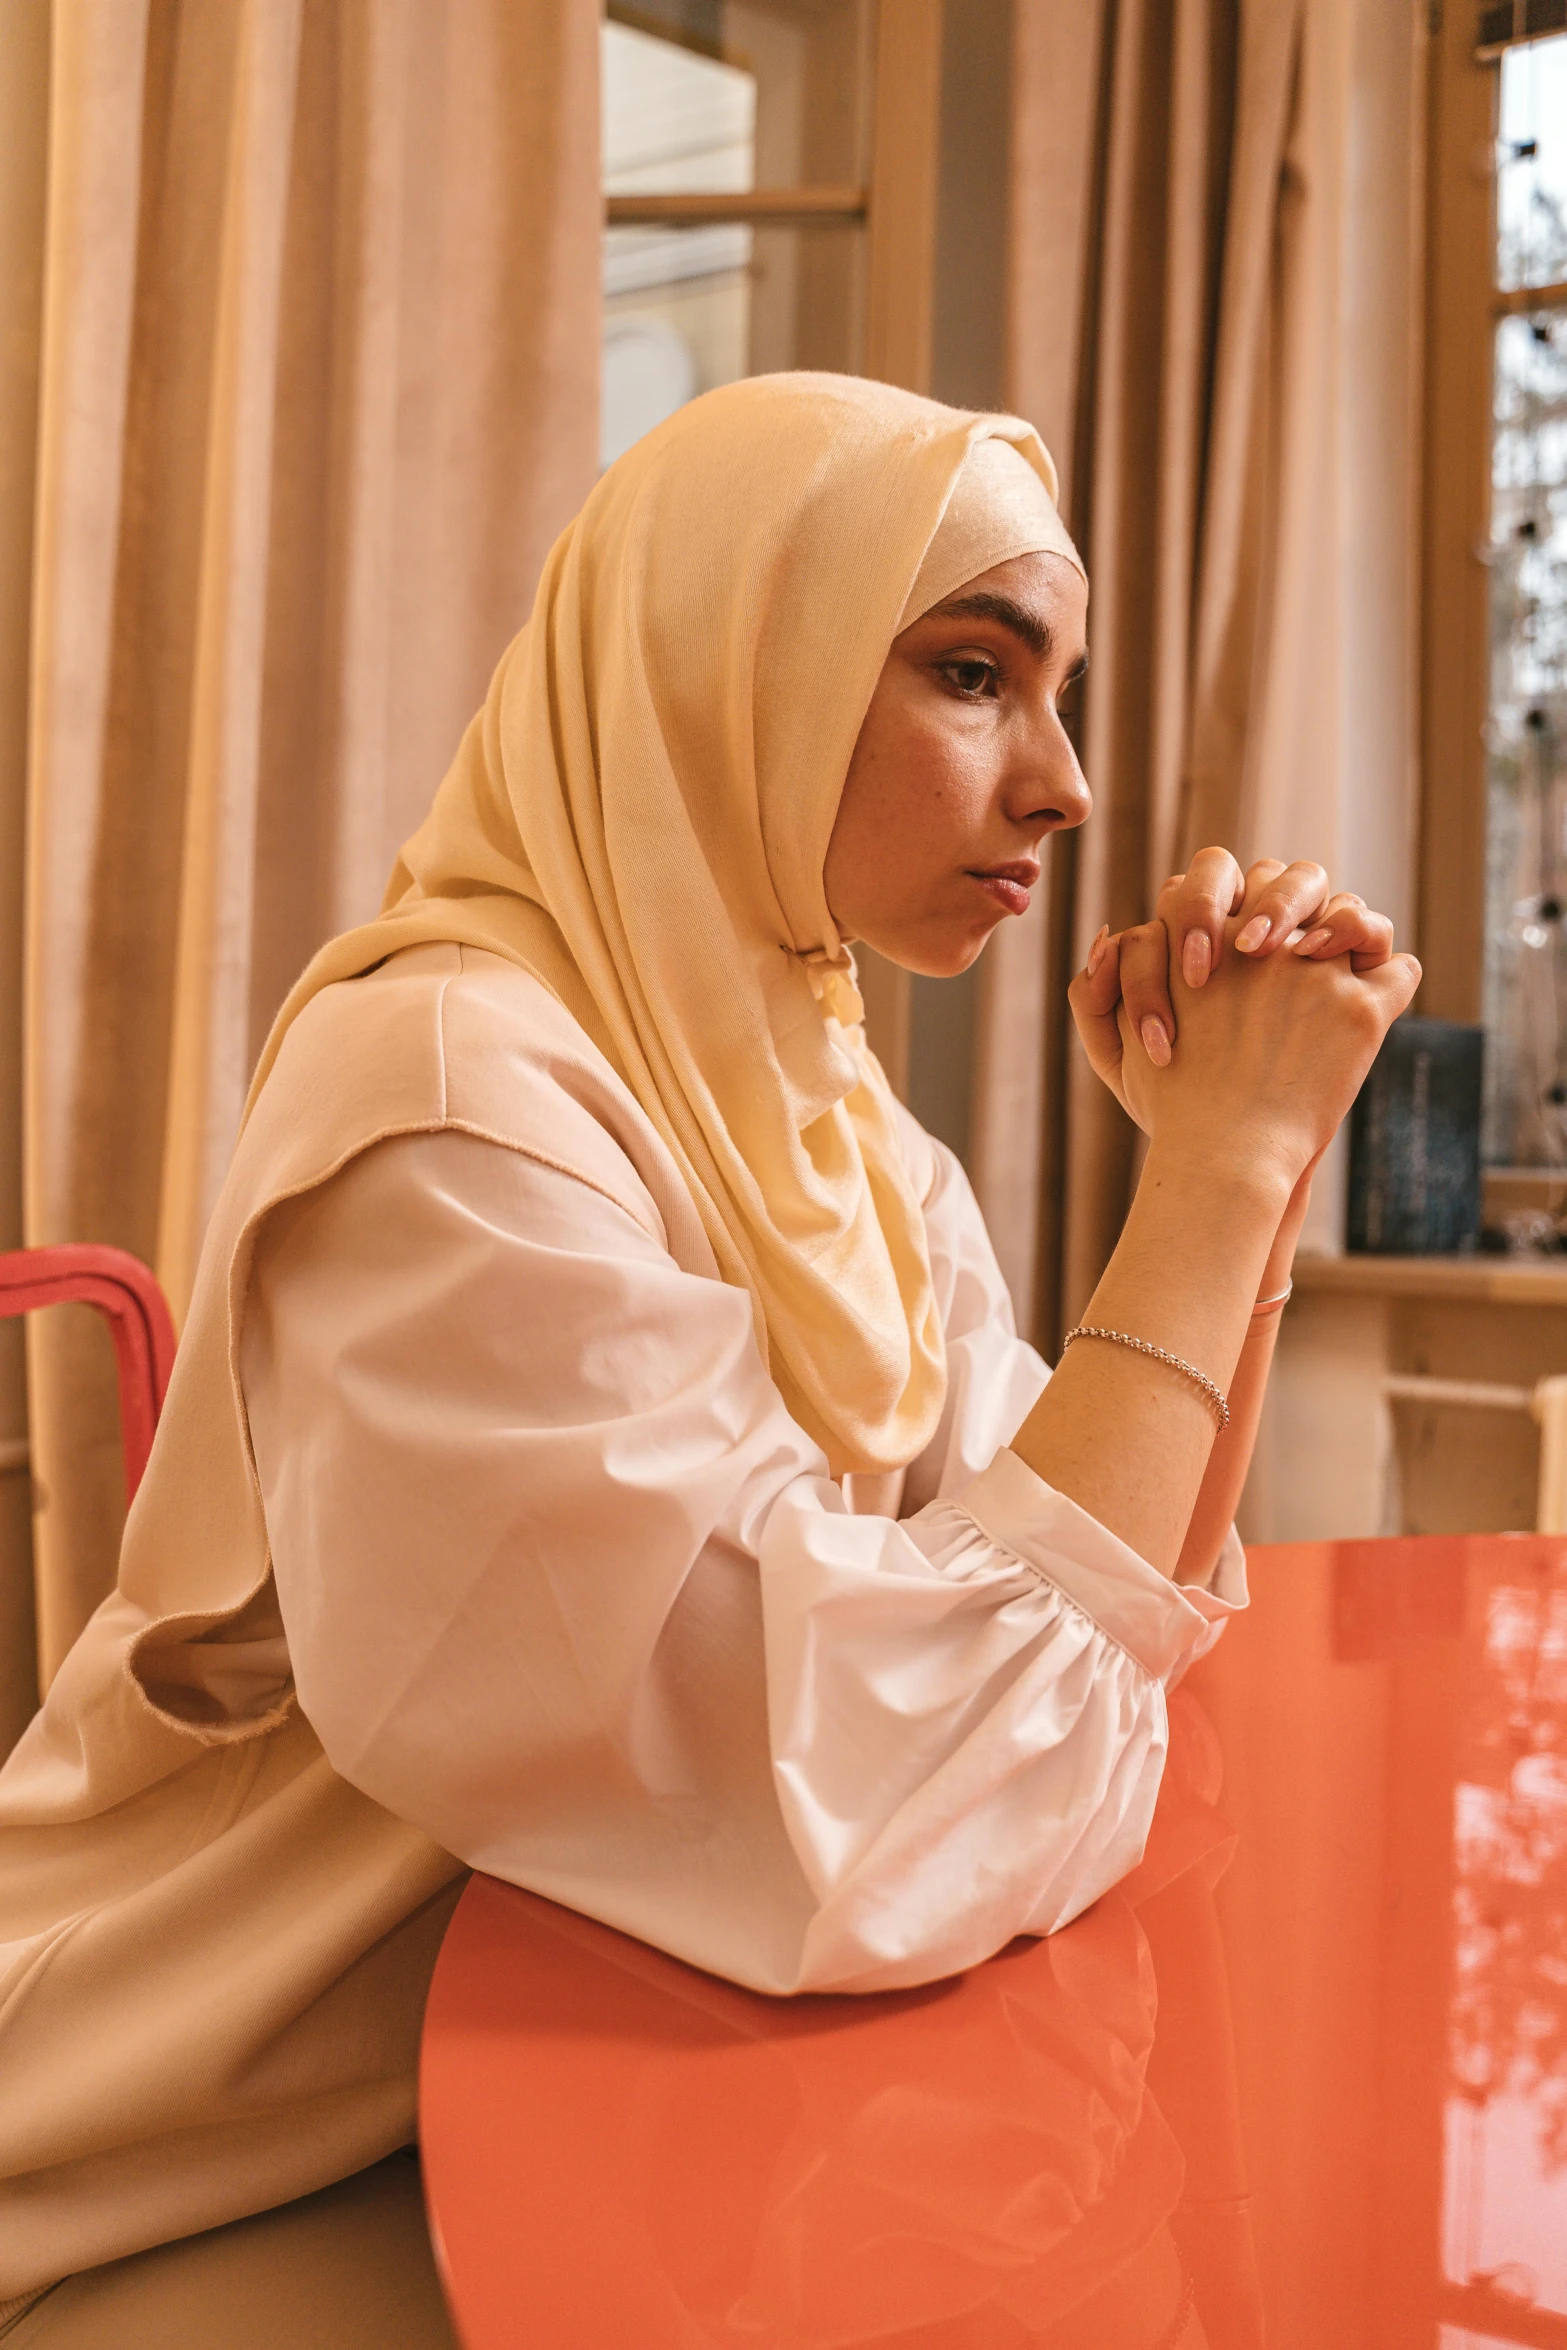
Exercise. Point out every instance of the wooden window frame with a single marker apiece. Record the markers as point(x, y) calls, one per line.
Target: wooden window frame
point(1456, 513)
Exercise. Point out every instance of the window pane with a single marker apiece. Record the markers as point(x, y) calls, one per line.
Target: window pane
point(686, 309)
point(1531, 188)
point(672, 117)
point(807, 62)
point(1526, 882)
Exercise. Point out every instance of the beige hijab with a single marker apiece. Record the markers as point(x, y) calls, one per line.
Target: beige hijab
point(640, 816)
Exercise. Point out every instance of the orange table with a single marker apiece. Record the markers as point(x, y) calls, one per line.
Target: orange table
point(1303, 2077)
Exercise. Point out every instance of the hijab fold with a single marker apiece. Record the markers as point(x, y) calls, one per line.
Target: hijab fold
point(640, 815)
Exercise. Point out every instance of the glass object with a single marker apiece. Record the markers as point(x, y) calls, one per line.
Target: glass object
point(707, 100)
point(1526, 880)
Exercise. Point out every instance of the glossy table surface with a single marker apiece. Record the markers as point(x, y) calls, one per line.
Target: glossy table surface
point(1301, 2079)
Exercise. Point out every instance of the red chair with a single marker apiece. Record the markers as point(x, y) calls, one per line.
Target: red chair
point(126, 1293)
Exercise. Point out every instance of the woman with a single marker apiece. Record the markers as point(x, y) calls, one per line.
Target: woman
point(599, 1402)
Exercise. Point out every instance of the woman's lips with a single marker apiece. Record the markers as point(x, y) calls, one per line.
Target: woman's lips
point(1009, 885)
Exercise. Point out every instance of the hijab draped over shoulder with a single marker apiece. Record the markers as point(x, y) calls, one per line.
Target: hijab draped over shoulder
point(640, 815)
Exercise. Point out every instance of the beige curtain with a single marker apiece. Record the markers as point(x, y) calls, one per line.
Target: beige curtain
point(1215, 318)
point(318, 386)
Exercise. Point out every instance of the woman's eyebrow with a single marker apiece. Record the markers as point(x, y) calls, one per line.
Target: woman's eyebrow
point(985, 604)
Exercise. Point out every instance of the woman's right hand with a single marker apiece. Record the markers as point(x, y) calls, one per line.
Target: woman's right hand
point(1273, 1052)
point(1281, 908)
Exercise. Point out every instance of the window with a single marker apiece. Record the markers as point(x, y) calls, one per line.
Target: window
point(1526, 786)
point(736, 165)
point(676, 300)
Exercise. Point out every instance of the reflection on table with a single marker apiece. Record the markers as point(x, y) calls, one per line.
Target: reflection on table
point(1302, 2077)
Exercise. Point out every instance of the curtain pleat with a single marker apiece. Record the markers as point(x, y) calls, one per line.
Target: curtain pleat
point(1016, 1105)
point(1240, 522)
point(219, 787)
point(319, 386)
point(24, 111)
point(1233, 266)
point(1165, 209)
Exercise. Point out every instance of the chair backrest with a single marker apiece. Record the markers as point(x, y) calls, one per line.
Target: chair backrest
point(126, 1293)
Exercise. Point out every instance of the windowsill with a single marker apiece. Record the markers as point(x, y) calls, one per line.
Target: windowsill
point(1479, 1279)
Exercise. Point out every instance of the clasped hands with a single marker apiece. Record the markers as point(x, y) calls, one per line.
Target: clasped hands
point(1274, 1066)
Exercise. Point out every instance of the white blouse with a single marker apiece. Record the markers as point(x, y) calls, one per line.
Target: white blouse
point(565, 1585)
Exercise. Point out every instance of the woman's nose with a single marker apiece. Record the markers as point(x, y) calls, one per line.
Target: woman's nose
point(1054, 793)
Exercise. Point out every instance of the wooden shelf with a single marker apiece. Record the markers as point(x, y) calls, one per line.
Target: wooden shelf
point(1477, 1280)
point(761, 205)
point(1524, 300)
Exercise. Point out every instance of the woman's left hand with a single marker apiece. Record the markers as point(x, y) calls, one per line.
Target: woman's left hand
point(1287, 908)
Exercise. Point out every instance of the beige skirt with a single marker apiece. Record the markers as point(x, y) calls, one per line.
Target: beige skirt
point(350, 2266)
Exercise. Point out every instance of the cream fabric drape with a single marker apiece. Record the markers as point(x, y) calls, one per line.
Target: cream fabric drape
point(318, 388)
point(1215, 322)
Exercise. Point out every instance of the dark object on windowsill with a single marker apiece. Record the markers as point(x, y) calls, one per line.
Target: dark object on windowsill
point(1414, 1143)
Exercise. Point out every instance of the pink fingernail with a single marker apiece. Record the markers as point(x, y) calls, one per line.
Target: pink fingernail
point(1196, 955)
point(1155, 1042)
point(1096, 953)
point(1312, 940)
point(1256, 934)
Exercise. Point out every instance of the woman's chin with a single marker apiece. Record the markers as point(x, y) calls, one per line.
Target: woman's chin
point(943, 956)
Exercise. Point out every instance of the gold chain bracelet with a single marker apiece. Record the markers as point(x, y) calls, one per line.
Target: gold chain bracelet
point(1212, 1396)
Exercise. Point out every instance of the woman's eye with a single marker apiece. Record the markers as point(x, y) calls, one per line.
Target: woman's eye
point(973, 678)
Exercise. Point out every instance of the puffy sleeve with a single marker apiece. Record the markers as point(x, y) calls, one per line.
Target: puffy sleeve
point(565, 1585)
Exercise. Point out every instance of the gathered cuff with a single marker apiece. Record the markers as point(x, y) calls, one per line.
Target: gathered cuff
point(1157, 1622)
point(1224, 1591)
